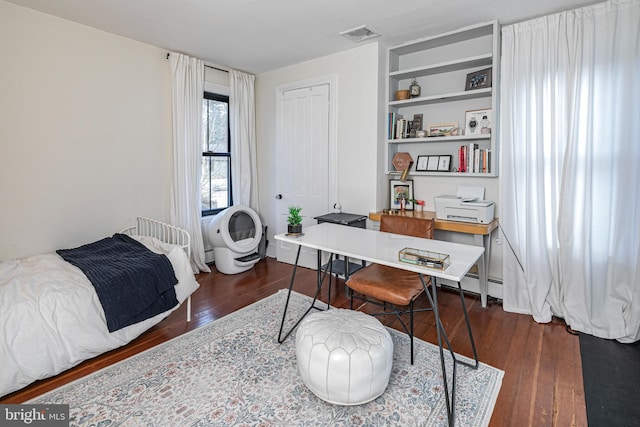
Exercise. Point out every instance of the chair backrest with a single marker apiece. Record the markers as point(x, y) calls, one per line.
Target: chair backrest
point(409, 226)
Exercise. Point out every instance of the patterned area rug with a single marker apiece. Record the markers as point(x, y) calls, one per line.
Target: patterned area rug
point(233, 372)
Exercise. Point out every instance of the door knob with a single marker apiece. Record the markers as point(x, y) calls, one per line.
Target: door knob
point(279, 196)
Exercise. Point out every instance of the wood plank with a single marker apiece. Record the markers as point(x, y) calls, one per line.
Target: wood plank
point(542, 385)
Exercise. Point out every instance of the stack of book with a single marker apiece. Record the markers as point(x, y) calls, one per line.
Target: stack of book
point(398, 128)
point(472, 159)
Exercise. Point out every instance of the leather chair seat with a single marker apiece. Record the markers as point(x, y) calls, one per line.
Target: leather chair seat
point(387, 284)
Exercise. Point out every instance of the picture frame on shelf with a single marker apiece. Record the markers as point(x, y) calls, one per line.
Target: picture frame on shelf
point(428, 163)
point(399, 190)
point(432, 164)
point(478, 122)
point(402, 161)
point(444, 164)
point(417, 122)
point(479, 79)
point(443, 129)
point(421, 165)
point(416, 125)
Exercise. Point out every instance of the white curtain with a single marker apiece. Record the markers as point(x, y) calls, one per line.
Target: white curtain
point(187, 91)
point(244, 171)
point(570, 136)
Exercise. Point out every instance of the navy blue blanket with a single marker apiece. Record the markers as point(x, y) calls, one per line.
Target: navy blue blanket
point(132, 282)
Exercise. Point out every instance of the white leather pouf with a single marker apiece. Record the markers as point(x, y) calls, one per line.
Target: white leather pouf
point(344, 356)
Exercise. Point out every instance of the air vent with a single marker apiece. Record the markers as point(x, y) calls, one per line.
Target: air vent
point(359, 34)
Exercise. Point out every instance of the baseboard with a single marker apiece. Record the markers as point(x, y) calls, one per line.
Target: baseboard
point(472, 284)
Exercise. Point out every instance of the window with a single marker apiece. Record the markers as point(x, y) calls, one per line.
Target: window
point(215, 185)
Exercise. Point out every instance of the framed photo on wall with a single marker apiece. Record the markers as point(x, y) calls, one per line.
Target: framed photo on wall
point(401, 190)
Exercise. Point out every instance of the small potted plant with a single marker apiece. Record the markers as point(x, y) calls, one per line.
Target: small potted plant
point(294, 220)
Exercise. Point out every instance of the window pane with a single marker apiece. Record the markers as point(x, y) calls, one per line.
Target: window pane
point(214, 185)
point(205, 190)
point(215, 126)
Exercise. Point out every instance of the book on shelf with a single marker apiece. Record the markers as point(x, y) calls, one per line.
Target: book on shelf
point(472, 159)
point(391, 128)
point(399, 127)
point(487, 159)
point(395, 126)
point(462, 158)
point(472, 165)
point(477, 164)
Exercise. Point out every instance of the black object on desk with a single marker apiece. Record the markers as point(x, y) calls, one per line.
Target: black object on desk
point(350, 220)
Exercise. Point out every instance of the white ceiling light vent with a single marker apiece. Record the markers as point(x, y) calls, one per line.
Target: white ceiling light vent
point(359, 34)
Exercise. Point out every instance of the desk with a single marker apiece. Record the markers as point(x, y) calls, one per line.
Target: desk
point(383, 248)
point(481, 237)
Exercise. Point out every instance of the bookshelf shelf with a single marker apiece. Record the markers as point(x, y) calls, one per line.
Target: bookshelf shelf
point(446, 97)
point(435, 139)
point(443, 174)
point(444, 67)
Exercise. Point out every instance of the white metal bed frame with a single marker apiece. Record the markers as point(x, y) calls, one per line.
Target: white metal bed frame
point(166, 233)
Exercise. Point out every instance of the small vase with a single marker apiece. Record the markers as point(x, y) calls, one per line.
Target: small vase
point(419, 208)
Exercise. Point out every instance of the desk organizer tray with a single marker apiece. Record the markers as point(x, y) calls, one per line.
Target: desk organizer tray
point(424, 258)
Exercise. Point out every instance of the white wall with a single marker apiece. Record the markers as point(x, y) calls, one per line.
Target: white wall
point(85, 132)
point(358, 168)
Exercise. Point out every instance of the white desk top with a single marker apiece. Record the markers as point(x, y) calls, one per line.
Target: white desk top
point(383, 248)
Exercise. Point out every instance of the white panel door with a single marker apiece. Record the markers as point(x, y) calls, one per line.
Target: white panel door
point(303, 162)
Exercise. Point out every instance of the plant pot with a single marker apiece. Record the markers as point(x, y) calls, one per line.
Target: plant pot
point(294, 229)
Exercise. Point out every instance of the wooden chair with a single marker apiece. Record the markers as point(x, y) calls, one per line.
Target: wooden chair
point(392, 288)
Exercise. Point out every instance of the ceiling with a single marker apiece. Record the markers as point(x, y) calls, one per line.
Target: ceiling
point(262, 35)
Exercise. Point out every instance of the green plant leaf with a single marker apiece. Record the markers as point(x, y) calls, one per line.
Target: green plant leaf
point(294, 217)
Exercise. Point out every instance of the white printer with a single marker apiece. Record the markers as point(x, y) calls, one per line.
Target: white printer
point(467, 206)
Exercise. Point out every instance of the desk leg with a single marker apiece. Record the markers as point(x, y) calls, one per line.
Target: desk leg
point(432, 295)
point(483, 266)
point(320, 280)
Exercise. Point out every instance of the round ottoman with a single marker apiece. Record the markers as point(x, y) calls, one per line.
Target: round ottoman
point(344, 356)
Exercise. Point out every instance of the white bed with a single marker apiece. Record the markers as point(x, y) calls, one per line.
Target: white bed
point(51, 318)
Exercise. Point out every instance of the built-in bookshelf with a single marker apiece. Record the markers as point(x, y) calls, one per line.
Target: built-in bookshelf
point(453, 71)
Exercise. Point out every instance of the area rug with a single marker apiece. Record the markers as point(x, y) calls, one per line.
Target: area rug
point(233, 372)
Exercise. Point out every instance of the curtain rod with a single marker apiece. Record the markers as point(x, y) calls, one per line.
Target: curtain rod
point(208, 66)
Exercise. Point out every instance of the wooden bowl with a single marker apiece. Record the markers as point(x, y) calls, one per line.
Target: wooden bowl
point(402, 94)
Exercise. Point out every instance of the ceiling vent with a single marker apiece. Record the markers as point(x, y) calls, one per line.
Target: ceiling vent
point(359, 34)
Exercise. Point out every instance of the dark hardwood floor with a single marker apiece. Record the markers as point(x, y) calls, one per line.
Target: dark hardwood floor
point(542, 385)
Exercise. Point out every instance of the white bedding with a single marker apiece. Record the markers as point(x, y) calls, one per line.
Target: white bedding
point(51, 318)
